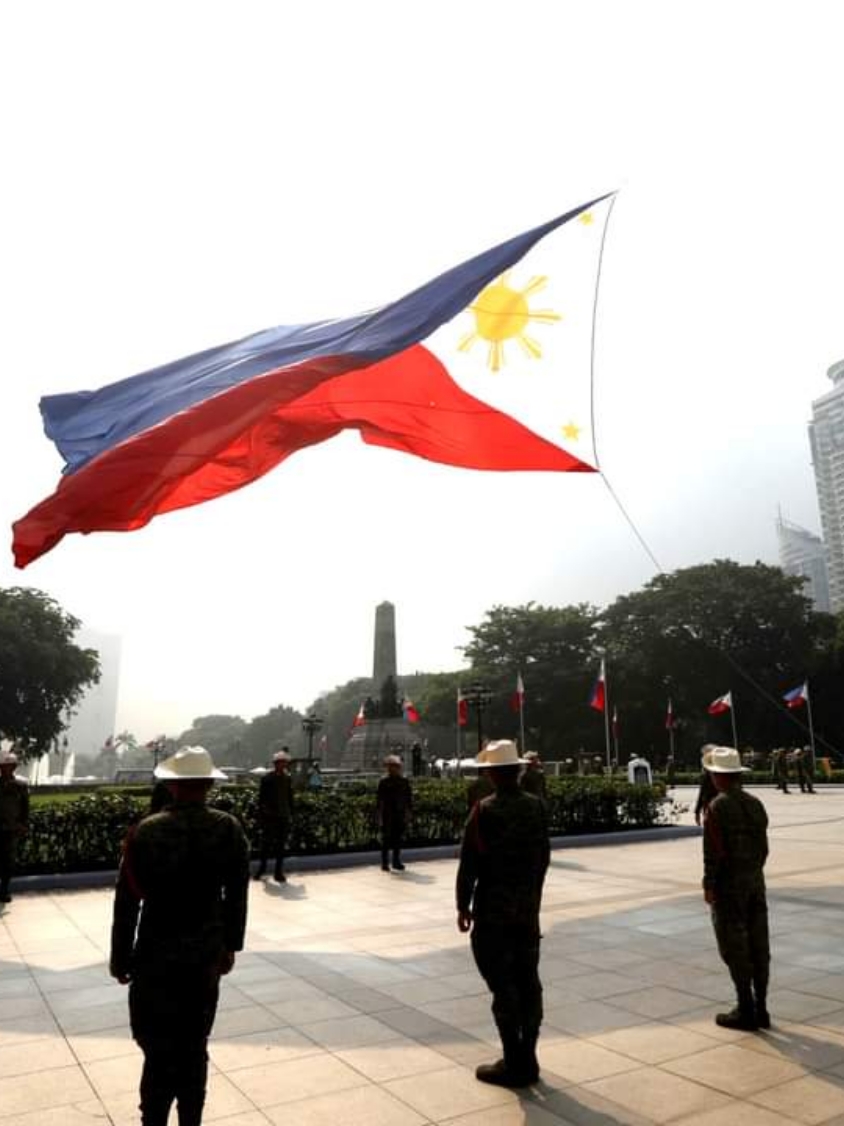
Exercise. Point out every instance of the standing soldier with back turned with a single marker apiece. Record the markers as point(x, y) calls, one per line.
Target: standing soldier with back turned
point(503, 860)
point(533, 776)
point(394, 802)
point(735, 848)
point(14, 819)
point(184, 874)
point(275, 814)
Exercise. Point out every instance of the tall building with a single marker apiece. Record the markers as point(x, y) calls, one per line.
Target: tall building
point(94, 717)
point(826, 435)
point(803, 553)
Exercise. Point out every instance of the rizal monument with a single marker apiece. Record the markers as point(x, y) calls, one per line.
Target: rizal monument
point(384, 729)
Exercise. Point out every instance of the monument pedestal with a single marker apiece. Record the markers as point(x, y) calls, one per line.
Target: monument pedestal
point(368, 745)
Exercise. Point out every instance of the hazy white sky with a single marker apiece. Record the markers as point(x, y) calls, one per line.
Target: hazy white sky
point(178, 175)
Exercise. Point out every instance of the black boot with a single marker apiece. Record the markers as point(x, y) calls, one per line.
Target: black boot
point(385, 862)
point(530, 1064)
point(397, 864)
point(5, 897)
point(280, 877)
point(743, 1016)
point(760, 992)
point(509, 1071)
point(262, 867)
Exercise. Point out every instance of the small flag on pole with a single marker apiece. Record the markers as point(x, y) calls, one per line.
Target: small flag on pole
point(411, 714)
point(669, 717)
point(598, 698)
point(462, 710)
point(722, 704)
point(360, 718)
point(615, 723)
point(797, 697)
point(517, 700)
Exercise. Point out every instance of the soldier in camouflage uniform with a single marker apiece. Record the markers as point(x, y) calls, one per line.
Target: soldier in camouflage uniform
point(14, 819)
point(533, 776)
point(275, 814)
point(185, 873)
point(394, 805)
point(503, 860)
point(735, 847)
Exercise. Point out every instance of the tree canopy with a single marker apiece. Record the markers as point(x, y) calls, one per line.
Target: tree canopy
point(43, 673)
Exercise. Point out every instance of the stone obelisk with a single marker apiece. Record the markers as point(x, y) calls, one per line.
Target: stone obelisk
point(384, 658)
point(385, 729)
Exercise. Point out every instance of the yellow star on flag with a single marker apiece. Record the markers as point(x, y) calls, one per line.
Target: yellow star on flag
point(571, 431)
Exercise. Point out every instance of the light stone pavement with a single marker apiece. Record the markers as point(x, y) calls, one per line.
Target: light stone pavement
point(357, 1003)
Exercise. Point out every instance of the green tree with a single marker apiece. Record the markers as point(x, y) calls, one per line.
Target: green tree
point(43, 673)
point(700, 632)
point(221, 735)
point(280, 726)
point(554, 649)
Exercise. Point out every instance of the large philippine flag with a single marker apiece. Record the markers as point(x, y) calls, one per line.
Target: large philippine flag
point(488, 366)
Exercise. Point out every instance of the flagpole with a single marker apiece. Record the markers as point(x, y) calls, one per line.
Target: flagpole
point(811, 727)
point(522, 714)
point(670, 731)
point(733, 721)
point(458, 746)
point(607, 715)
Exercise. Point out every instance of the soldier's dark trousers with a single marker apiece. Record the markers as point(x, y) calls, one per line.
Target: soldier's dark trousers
point(172, 1010)
point(273, 841)
point(8, 845)
point(507, 957)
point(740, 921)
point(392, 835)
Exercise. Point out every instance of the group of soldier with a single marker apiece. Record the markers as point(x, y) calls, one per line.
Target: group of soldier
point(799, 757)
point(181, 902)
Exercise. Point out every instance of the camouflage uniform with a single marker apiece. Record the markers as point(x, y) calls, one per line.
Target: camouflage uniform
point(779, 769)
point(275, 814)
point(735, 847)
point(185, 872)
point(14, 817)
point(503, 860)
point(394, 806)
point(804, 772)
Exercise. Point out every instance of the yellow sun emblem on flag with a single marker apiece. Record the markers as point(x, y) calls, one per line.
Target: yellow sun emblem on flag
point(503, 313)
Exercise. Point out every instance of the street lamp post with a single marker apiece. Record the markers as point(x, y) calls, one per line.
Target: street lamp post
point(310, 725)
point(479, 697)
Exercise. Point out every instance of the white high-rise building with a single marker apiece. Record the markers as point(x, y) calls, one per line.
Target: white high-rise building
point(803, 553)
point(826, 435)
point(95, 715)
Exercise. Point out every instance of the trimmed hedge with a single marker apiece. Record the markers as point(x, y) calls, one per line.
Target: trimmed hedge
point(756, 778)
point(86, 834)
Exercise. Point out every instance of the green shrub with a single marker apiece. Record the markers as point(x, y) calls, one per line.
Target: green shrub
point(86, 834)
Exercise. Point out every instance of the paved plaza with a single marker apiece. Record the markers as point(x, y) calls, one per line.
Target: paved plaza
point(357, 1003)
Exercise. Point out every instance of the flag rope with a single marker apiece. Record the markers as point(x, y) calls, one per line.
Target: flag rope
point(743, 673)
